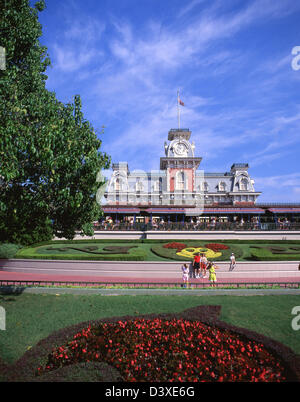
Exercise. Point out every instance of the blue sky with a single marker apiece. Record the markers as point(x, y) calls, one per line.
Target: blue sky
point(231, 61)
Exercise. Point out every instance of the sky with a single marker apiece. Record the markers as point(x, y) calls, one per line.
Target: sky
point(236, 64)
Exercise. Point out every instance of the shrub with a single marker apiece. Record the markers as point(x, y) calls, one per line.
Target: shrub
point(8, 250)
point(264, 254)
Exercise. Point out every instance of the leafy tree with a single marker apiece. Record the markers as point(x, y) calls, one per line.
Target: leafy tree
point(49, 154)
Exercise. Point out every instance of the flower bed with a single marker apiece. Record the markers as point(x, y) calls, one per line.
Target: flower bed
point(25, 368)
point(169, 350)
point(174, 245)
point(216, 246)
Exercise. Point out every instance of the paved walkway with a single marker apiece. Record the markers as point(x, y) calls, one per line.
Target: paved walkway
point(167, 272)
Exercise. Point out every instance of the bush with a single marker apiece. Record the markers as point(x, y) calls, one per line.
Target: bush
point(8, 250)
point(264, 254)
point(135, 254)
point(25, 231)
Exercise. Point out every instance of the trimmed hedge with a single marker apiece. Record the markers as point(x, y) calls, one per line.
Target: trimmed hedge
point(134, 255)
point(264, 254)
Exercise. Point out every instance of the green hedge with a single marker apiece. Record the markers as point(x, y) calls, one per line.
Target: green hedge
point(159, 241)
point(134, 255)
point(263, 254)
point(8, 250)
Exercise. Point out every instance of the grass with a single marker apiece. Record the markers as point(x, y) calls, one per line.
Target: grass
point(140, 250)
point(32, 317)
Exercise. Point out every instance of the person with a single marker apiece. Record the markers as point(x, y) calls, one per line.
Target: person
point(154, 224)
point(212, 273)
point(232, 262)
point(203, 265)
point(185, 275)
point(196, 264)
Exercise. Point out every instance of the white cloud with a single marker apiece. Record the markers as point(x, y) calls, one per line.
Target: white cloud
point(278, 181)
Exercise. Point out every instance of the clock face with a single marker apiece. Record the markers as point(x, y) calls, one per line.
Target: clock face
point(180, 149)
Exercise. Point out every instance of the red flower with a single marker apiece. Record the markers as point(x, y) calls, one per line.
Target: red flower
point(216, 246)
point(195, 351)
point(177, 246)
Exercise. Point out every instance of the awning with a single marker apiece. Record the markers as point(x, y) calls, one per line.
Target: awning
point(112, 210)
point(233, 211)
point(284, 210)
point(166, 210)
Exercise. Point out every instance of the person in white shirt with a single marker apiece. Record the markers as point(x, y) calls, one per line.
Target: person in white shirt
point(203, 265)
point(232, 262)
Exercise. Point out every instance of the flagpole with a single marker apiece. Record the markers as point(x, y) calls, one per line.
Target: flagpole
point(178, 110)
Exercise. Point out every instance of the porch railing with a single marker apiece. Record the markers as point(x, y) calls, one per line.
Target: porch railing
point(187, 226)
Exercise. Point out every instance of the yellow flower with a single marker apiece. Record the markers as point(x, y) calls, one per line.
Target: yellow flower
point(190, 252)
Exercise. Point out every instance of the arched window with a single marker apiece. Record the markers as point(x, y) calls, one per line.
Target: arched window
point(244, 184)
point(181, 181)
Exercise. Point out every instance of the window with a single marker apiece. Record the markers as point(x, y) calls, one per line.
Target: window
point(139, 185)
point(181, 182)
point(222, 186)
point(244, 184)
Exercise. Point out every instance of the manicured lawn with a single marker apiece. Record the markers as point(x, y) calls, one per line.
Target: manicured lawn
point(140, 250)
point(31, 317)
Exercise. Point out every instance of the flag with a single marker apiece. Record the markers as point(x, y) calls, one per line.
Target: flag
point(180, 102)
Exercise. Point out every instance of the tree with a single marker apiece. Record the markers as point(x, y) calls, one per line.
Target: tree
point(50, 155)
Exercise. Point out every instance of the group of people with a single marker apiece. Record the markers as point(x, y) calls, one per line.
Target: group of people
point(200, 266)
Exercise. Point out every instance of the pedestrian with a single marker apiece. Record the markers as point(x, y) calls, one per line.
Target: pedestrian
point(212, 273)
point(185, 275)
point(203, 265)
point(196, 264)
point(232, 262)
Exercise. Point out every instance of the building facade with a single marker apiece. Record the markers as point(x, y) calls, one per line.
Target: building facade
point(180, 181)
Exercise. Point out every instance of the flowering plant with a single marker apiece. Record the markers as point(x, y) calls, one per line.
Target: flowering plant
point(216, 246)
point(177, 246)
point(169, 350)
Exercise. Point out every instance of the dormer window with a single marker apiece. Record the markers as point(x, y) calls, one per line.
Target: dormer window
point(244, 184)
point(222, 186)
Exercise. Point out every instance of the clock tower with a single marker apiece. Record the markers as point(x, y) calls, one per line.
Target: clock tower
point(180, 163)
